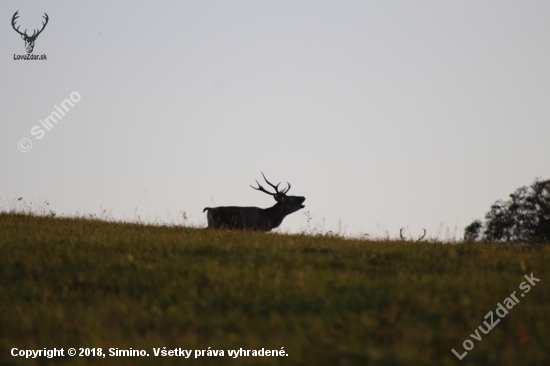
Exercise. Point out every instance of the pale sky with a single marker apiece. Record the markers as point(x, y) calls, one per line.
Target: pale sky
point(416, 114)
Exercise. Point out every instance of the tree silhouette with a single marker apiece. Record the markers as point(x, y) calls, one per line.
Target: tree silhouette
point(524, 217)
point(473, 231)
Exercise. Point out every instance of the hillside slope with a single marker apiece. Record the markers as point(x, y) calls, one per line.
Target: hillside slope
point(327, 301)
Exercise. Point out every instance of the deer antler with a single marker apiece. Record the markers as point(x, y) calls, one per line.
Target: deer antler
point(422, 237)
point(15, 16)
point(402, 238)
point(34, 34)
point(275, 187)
point(287, 189)
point(260, 188)
point(43, 26)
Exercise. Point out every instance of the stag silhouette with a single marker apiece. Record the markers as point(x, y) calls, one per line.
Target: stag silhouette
point(255, 218)
point(29, 40)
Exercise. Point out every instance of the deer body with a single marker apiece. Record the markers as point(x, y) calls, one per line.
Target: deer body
point(255, 218)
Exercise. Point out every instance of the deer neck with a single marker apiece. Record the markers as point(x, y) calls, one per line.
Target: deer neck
point(276, 214)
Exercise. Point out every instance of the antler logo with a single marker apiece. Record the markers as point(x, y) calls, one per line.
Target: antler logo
point(29, 40)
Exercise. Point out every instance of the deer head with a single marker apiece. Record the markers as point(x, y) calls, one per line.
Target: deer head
point(289, 204)
point(29, 40)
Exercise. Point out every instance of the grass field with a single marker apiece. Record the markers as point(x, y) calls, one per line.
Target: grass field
point(326, 300)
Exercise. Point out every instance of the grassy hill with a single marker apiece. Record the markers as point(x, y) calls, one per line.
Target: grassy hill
point(326, 300)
